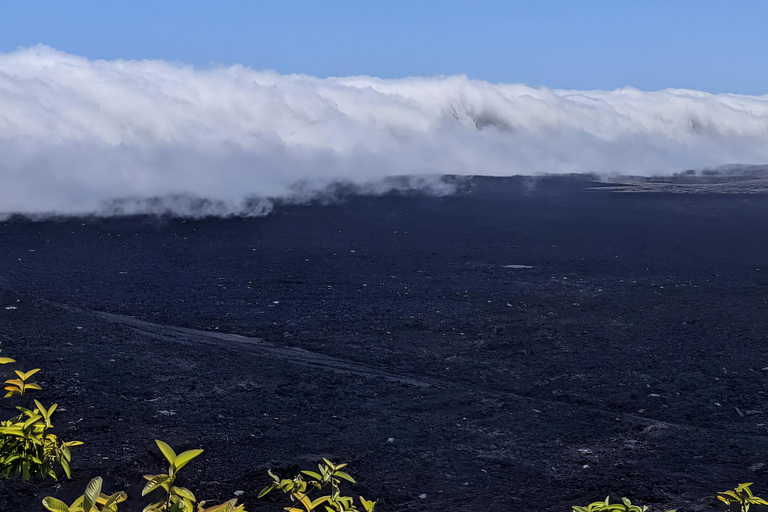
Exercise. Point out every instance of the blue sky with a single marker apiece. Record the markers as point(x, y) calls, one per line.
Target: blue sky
point(713, 46)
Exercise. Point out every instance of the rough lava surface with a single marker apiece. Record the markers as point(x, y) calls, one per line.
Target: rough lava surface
point(526, 345)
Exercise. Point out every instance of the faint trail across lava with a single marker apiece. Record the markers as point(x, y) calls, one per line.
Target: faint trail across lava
point(303, 357)
point(293, 354)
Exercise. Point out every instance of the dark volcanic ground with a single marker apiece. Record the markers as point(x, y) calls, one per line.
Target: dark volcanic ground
point(628, 360)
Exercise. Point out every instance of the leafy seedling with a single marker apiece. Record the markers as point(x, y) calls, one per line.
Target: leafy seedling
point(741, 495)
point(228, 506)
point(327, 477)
point(607, 506)
point(20, 386)
point(93, 500)
point(28, 450)
point(177, 499)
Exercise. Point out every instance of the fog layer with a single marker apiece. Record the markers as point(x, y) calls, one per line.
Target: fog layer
point(80, 136)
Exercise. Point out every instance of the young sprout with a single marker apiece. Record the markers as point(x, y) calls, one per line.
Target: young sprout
point(328, 475)
point(20, 386)
point(177, 499)
point(93, 500)
point(607, 506)
point(741, 495)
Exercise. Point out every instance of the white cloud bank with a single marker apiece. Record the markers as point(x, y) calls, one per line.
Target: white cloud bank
point(76, 134)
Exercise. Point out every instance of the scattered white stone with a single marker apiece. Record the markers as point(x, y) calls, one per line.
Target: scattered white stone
point(239, 493)
point(11, 307)
point(757, 466)
point(391, 440)
point(423, 496)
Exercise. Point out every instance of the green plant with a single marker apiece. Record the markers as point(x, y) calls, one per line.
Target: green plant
point(227, 506)
point(328, 477)
point(28, 450)
point(607, 506)
point(93, 500)
point(177, 499)
point(20, 386)
point(6, 360)
point(742, 495)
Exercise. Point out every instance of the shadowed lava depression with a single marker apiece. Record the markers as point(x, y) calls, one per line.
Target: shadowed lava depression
point(528, 344)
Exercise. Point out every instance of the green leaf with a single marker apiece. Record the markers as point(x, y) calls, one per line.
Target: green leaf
point(154, 507)
point(187, 505)
point(77, 505)
point(267, 490)
point(183, 492)
point(319, 501)
point(154, 483)
point(55, 505)
point(314, 475)
point(222, 507)
point(65, 467)
point(168, 452)
point(115, 499)
point(345, 476)
point(91, 495)
point(42, 410)
point(6, 360)
point(182, 459)
point(368, 505)
point(31, 420)
point(26, 375)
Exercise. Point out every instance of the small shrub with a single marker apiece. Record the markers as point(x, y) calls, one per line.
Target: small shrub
point(607, 506)
point(20, 386)
point(741, 495)
point(177, 499)
point(228, 506)
point(93, 500)
point(27, 448)
point(328, 478)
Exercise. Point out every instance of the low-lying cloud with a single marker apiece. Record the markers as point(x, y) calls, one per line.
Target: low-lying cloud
point(79, 136)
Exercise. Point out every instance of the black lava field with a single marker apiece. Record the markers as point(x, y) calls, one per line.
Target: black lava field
point(522, 345)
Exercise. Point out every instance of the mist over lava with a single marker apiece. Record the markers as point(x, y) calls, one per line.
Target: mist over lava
point(114, 137)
